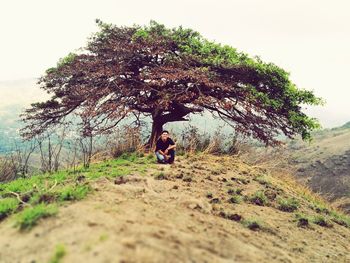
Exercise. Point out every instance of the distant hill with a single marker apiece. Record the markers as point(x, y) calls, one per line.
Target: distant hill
point(346, 125)
point(324, 164)
point(15, 97)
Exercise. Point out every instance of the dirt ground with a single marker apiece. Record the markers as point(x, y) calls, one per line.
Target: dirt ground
point(174, 214)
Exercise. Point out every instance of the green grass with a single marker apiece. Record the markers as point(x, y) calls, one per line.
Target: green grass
point(259, 198)
point(302, 220)
point(60, 252)
point(253, 224)
point(237, 191)
point(261, 179)
point(8, 206)
point(73, 193)
point(320, 208)
point(288, 204)
point(160, 176)
point(321, 221)
point(41, 190)
point(235, 199)
point(30, 216)
point(340, 219)
point(103, 237)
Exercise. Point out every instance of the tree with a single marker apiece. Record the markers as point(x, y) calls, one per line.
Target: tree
point(167, 74)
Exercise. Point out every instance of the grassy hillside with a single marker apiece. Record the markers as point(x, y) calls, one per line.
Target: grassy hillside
point(324, 164)
point(204, 208)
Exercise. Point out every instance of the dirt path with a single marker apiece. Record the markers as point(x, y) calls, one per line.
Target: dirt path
point(143, 219)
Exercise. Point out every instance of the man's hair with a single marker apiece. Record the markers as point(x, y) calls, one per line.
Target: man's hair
point(165, 132)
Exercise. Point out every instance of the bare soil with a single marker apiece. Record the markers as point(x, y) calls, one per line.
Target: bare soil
point(178, 213)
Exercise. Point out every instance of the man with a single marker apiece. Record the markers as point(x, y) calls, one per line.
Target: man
point(165, 148)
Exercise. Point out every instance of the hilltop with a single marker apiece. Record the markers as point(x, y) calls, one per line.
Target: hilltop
point(205, 208)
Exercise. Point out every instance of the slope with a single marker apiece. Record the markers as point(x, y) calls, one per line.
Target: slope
point(205, 208)
point(324, 164)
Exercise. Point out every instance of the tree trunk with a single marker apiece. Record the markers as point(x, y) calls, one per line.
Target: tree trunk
point(157, 127)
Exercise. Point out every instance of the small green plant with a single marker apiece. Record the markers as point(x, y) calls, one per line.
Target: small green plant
point(42, 197)
point(235, 199)
point(321, 221)
point(60, 252)
point(240, 180)
point(29, 217)
point(72, 193)
point(320, 208)
point(302, 220)
point(261, 179)
point(7, 206)
point(288, 204)
point(150, 157)
point(340, 219)
point(103, 237)
point(253, 224)
point(259, 198)
point(237, 191)
point(209, 195)
point(129, 156)
point(161, 176)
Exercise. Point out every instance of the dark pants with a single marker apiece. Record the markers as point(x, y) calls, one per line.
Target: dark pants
point(161, 158)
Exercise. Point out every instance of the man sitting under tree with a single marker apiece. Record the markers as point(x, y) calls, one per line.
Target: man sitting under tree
point(165, 148)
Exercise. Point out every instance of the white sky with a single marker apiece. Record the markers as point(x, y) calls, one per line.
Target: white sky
point(309, 38)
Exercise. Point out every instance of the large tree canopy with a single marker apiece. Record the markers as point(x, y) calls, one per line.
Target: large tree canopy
point(167, 74)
